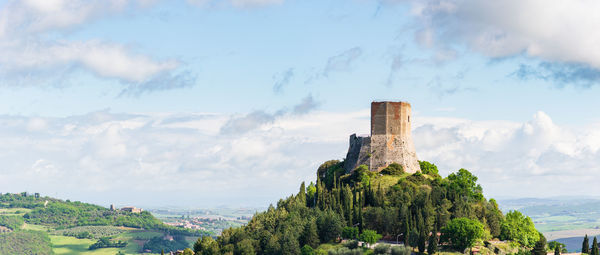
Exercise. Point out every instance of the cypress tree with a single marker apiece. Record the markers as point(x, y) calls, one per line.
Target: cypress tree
point(380, 196)
point(347, 204)
point(318, 195)
point(406, 231)
point(594, 247)
point(355, 207)
point(585, 247)
point(369, 196)
point(557, 250)
point(432, 246)
point(310, 236)
point(540, 246)
point(422, 239)
point(302, 194)
point(360, 217)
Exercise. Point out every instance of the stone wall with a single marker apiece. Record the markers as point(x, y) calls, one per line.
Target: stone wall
point(359, 152)
point(390, 140)
point(390, 136)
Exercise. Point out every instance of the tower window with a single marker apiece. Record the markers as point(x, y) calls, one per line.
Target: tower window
point(408, 118)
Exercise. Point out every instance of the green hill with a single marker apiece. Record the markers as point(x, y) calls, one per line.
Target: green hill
point(389, 204)
point(45, 225)
point(60, 214)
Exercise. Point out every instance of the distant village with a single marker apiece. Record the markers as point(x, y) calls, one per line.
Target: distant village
point(131, 209)
point(212, 224)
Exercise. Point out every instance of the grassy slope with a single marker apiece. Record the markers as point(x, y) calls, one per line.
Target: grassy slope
point(14, 211)
point(70, 245)
point(35, 227)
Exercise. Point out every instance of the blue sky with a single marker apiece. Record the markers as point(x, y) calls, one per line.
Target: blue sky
point(233, 102)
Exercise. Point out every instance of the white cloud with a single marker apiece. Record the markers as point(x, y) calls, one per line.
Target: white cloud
point(546, 158)
point(238, 3)
point(563, 31)
point(254, 3)
point(33, 16)
point(151, 159)
point(32, 51)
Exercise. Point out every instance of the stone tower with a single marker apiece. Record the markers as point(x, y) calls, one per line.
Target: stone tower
point(390, 140)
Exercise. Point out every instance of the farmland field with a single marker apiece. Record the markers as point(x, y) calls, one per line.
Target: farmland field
point(67, 245)
point(92, 231)
point(35, 227)
point(14, 211)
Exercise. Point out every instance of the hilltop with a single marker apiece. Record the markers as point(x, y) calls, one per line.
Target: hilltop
point(422, 210)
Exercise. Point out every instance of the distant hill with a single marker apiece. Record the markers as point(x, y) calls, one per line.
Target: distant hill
point(558, 213)
point(33, 224)
point(58, 214)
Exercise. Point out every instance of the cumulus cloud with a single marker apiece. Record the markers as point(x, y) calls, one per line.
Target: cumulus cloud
point(148, 159)
point(551, 31)
point(546, 158)
point(503, 28)
point(28, 56)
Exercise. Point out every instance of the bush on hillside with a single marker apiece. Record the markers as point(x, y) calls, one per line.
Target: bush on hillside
point(25, 242)
point(393, 169)
point(13, 222)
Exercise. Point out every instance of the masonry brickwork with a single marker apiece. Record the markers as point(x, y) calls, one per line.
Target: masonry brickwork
point(390, 140)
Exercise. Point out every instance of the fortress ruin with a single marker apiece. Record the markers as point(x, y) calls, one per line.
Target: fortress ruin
point(390, 140)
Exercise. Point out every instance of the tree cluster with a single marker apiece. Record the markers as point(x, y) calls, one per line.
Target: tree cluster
point(105, 242)
point(368, 205)
point(585, 246)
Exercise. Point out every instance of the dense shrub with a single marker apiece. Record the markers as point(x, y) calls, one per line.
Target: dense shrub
point(382, 249)
point(401, 250)
point(158, 244)
point(12, 222)
point(25, 242)
point(350, 233)
point(352, 244)
point(393, 169)
point(105, 242)
point(344, 251)
point(429, 168)
point(90, 232)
